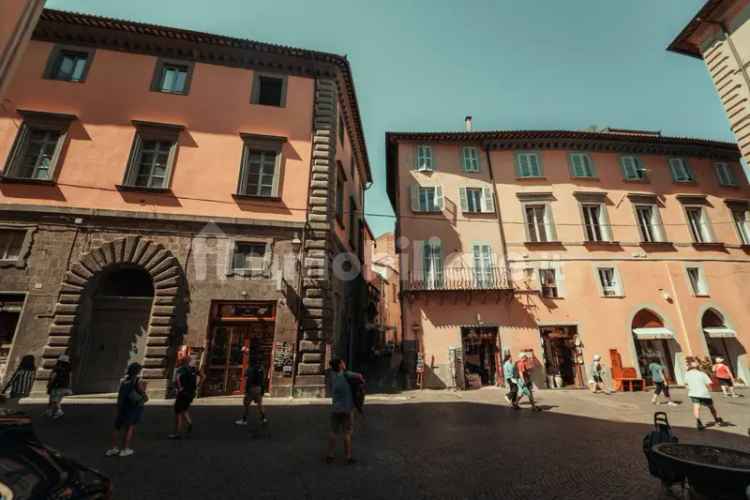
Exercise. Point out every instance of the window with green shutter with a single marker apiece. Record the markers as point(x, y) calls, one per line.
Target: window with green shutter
point(680, 169)
point(471, 159)
point(632, 168)
point(581, 165)
point(725, 174)
point(528, 165)
point(424, 158)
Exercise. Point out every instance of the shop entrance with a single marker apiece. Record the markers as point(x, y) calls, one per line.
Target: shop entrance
point(481, 355)
point(10, 313)
point(240, 331)
point(562, 357)
point(653, 342)
point(721, 340)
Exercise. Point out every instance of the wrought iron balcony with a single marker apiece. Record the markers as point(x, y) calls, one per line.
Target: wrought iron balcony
point(458, 278)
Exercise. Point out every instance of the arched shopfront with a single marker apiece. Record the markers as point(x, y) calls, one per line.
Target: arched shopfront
point(654, 341)
point(721, 340)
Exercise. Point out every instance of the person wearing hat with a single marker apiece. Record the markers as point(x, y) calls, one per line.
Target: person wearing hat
point(59, 386)
point(724, 375)
point(597, 376)
point(131, 399)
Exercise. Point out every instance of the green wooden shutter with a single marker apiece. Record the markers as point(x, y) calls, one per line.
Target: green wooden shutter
point(414, 195)
point(439, 201)
point(522, 165)
point(534, 165)
point(464, 201)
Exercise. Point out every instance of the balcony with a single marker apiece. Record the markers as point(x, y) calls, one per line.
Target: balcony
point(459, 279)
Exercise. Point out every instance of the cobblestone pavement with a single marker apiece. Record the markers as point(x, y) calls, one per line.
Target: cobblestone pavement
point(428, 444)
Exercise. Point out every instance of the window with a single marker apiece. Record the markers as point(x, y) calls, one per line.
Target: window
point(477, 200)
point(697, 280)
point(471, 159)
point(483, 269)
point(426, 199)
point(632, 168)
point(340, 194)
point(699, 224)
point(596, 223)
point(581, 165)
point(11, 243)
point(69, 64)
point(432, 263)
point(261, 169)
point(172, 77)
point(742, 224)
point(249, 256)
point(681, 171)
point(424, 158)
point(152, 156)
point(649, 223)
point(725, 174)
point(548, 282)
point(528, 165)
point(610, 282)
point(341, 128)
point(38, 146)
point(539, 225)
point(269, 90)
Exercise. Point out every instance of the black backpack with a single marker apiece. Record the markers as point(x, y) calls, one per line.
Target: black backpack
point(662, 433)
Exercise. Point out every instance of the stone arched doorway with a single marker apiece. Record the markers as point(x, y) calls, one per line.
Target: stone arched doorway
point(654, 342)
point(132, 268)
point(721, 339)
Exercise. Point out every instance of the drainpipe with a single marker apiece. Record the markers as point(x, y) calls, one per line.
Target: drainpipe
point(679, 314)
point(498, 213)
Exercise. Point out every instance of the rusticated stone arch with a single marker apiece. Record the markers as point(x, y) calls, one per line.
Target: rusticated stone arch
point(134, 251)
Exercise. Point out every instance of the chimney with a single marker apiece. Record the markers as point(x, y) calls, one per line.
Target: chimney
point(467, 120)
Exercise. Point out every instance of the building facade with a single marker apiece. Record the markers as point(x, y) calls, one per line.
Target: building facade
point(720, 35)
point(166, 191)
point(384, 271)
point(17, 21)
point(565, 245)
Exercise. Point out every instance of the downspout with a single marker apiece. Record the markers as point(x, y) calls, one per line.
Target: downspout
point(498, 213)
point(681, 317)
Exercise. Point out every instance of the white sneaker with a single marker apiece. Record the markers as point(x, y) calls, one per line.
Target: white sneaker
point(58, 414)
point(671, 403)
point(240, 422)
point(126, 452)
point(113, 452)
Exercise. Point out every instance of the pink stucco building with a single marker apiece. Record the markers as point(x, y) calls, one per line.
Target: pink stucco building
point(567, 244)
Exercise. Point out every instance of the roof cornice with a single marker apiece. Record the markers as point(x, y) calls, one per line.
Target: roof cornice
point(58, 26)
point(680, 44)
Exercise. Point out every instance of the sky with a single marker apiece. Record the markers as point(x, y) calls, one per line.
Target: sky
point(423, 65)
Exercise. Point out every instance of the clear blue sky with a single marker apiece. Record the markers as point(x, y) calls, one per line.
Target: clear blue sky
point(512, 64)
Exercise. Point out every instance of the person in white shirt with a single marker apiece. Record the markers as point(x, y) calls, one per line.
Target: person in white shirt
point(699, 393)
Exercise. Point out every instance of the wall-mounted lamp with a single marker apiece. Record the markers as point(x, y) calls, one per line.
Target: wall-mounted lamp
point(296, 243)
point(665, 295)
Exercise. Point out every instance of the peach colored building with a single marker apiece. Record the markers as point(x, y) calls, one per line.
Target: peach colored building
point(182, 192)
point(384, 265)
point(17, 20)
point(566, 245)
point(720, 35)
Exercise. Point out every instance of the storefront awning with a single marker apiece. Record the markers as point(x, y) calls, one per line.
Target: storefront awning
point(720, 332)
point(653, 333)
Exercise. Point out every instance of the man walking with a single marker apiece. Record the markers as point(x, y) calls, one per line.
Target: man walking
point(510, 375)
point(525, 385)
point(186, 383)
point(255, 387)
point(341, 409)
point(660, 381)
point(597, 376)
point(59, 386)
point(699, 392)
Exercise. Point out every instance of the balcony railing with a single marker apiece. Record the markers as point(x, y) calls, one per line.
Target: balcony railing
point(459, 278)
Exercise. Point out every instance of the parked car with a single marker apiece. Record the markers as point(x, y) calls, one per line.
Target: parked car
point(30, 470)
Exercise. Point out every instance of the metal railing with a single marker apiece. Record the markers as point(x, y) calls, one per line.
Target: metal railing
point(458, 278)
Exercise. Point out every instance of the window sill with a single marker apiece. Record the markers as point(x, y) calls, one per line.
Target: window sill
point(584, 178)
point(239, 196)
point(169, 93)
point(657, 244)
point(729, 186)
point(637, 181)
point(701, 295)
point(250, 273)
point(601, 243)
point(613, 296)
point(530, 178)
point(470, 213)
point(543, 243)
point(26, 180)
point(64, 80)
point(688, 183)
point(267, 105)
point(142, 189)
point(470, 171)
point(708, 245)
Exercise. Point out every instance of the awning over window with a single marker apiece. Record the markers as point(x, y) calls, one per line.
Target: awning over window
point(653, 333)
point(720, 332)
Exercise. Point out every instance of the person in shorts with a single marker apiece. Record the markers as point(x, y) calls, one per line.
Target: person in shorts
point(660, 381)
point(131, 398)
point(597, 376)
point(342, 405)
point(525, 385)
point(186, 383)
point(724, 375)
point(255, 387)
point(699, 392)
point(59, 386)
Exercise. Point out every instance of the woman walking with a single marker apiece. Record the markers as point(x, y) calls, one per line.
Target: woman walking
point(597, 376)
point(59, 386)
point(510, 375)
point(21, 382)
point(725, 377)
point(130, 401)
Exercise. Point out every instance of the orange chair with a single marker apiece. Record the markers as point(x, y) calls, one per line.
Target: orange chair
point(624, 378)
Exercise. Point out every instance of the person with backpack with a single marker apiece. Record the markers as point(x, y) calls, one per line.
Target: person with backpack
point(186, 384)
point(131, 399)
point(342, 405)
point(523, 380)
point(59, 386)
point(20, 383)
point(255, 388)
point(699, 392)
point(660, 381)
point(724, 375)
point(510, 373)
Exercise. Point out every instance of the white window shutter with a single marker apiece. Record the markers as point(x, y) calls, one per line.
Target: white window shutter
point(439, 201)
point(707, 227)
point(488, 200)
point(560, 280)
point(417, 271)
point(437, 259)
point(267, 256)
point(618, 282)
point(657, 224)
point(414, 195)
point(276, 175)
point(464, 201)
point(607, 234)
point(549, 223)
